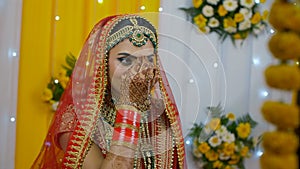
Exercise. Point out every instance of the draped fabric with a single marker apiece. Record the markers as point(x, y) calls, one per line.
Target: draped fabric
point(87, 111)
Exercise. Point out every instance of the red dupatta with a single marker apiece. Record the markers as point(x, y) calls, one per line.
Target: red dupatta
point(83, 103)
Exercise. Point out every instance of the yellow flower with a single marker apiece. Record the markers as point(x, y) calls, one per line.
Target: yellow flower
point(222, 11)
point(62, 73)
point(52, 102)
point(244, 151)
point(200, 21)
point(211, 155)
point(228, 167)
point(280, 142)
point(47, 95)
point(217, 164)
point(283, 77)
point(262, 1)
point(284, 116)
point(280, 45)
point(197, 3)
point(229, 22)
point(265, 15)
point(203, 147)
point(215, 123)
point(228, 149)
point(238, 17)
point(234, 159)
point(255, 18)
point(230, 116)
point(243, 130)
point(237, 36)
point(64, 81)
point(285, 16)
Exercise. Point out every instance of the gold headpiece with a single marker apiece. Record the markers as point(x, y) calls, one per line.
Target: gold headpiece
point(137, 34)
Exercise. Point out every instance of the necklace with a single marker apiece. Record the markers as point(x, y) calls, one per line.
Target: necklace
point(146, 146)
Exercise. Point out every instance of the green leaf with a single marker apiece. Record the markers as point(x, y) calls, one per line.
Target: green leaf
point(247, 119)
point(195, 130)
point(71, 61)
point(216, 112)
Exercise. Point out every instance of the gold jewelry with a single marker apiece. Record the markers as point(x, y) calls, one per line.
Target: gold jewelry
point(123, 125)
point(124, 143)
point(146, 146)
point(137, 34)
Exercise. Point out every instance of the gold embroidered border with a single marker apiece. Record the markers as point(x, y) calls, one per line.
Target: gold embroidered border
point(127, 107)
point(171, 113)
point(76, 153)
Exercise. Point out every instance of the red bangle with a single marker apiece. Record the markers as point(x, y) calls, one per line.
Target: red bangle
point(127, 126)
point(125, 135)
point(128, 117)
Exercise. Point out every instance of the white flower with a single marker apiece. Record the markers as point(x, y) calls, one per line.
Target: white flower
point(54, 106)
point(230, 5)
point(258, 28)
point(214, 141)
point(228, 137)
point(213, 2)
point(208, 11)
point(246, 24)
point(246, 12)
point(223, 157)
point(213, 22)
point(255, 141)
point(221, 131)
point(197, 153)
point(247, 3)
point(230, 29)
point(207, 130)
point(206, 29)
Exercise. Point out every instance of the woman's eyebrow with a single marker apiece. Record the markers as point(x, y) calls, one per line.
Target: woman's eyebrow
point(128, 54)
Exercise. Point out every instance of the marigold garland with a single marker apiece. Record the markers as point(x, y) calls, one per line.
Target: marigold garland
point(283, 77)
point(282, 115)
point(281, 145)
point(269, 160)
point(280, 142)
point(281, 41)
point(285, 16)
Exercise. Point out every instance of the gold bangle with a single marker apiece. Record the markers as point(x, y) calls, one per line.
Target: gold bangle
point(127, 107)
point(123, 143)
point(129, 126)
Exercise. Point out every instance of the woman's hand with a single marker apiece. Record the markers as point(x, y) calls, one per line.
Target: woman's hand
point(136, 87)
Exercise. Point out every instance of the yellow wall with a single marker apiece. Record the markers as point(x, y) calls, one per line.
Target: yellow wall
point(44, 45)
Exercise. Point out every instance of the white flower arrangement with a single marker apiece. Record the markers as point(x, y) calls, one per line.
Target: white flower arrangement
point(236, 19)
point(224, 141)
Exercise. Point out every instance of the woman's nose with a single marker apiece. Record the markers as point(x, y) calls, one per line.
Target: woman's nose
point(143, 63)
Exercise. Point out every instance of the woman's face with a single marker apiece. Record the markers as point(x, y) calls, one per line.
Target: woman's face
point(125, 56)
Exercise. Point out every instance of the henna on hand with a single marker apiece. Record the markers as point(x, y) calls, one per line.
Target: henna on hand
point(136, 88)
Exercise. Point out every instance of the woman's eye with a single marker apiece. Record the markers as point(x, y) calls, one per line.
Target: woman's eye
point(125, 61)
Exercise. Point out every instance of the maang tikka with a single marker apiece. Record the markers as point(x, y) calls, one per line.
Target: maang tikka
point(138, 35)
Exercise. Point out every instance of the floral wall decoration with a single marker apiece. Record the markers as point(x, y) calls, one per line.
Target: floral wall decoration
point(236, 19)
point(57, 84)
point(281, 145)
point(224, 141)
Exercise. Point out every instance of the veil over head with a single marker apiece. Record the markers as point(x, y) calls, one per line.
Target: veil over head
point(87, 109)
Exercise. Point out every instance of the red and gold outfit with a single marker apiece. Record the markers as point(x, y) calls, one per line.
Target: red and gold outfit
point(87, 110)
